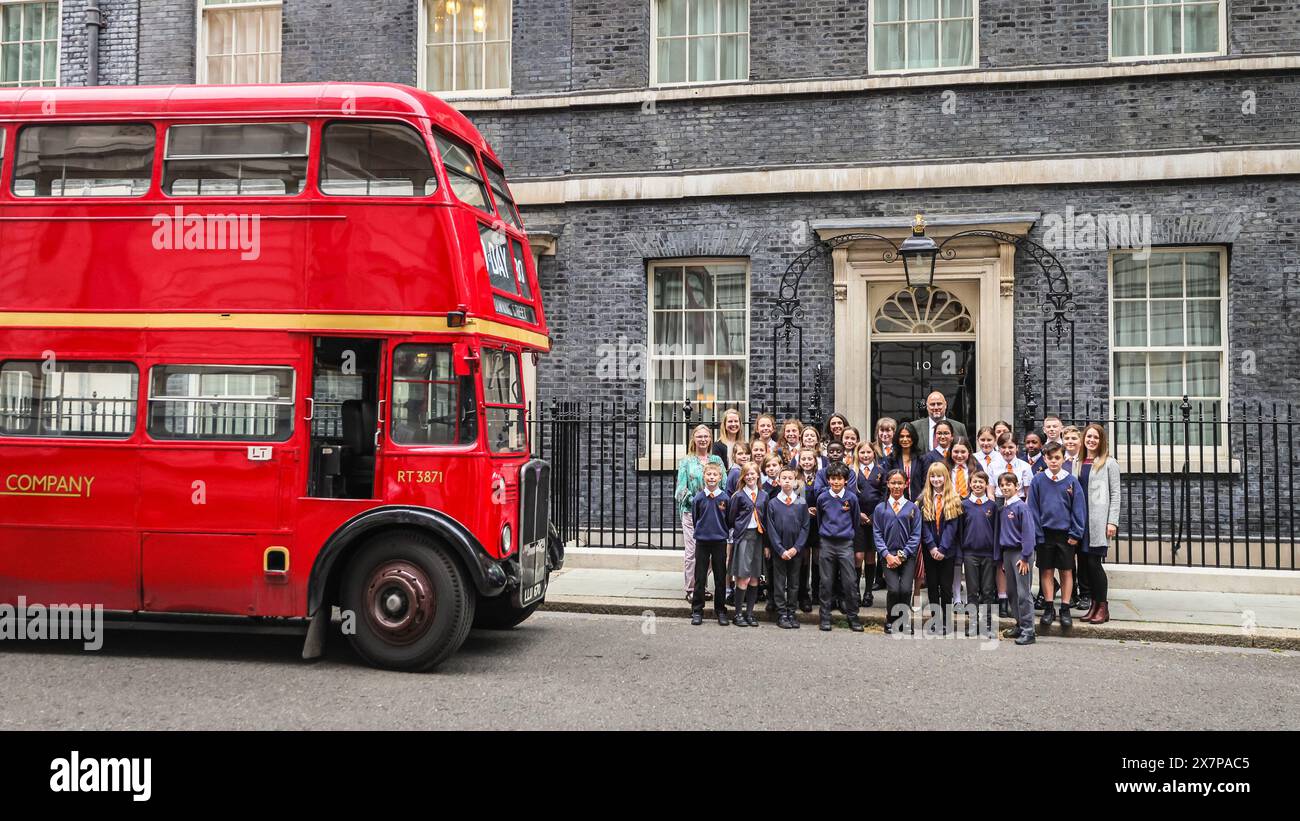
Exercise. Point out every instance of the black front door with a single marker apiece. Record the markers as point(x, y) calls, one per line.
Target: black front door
point(904, 373)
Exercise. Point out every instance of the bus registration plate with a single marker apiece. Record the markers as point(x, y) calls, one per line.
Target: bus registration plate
point(532, 573)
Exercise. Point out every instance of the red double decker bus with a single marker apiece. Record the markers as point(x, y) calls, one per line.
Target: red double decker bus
point(263, 353)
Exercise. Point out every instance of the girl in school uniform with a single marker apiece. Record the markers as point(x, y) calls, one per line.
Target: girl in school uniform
point(986, 455)
point(765, 432)
point(810, 574)
point(730, 434)
point(896, 532)
point(961, 466)
point(1000, 427)
point(810, 439)
point(871, 490)
point(747, 526)
point(791, 429)
point(739, 458)
point(940, 514)
point(758, 452)
point(850, 439)
point(884, 442)
point(1100, 476)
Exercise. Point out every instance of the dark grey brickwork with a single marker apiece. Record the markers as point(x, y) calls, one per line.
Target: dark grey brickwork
point(803, 40)
point(1043, 32)
point(374, 41)
point(117, 43)
point(1006, 120)
point(611, 44)
point(1263, 26)
point(541, 58)
point(167, 41)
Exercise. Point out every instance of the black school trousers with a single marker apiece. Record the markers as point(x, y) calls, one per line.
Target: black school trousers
point(710, 552)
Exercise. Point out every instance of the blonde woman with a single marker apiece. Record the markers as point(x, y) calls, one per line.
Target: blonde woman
point(690, 481)
point(730, 433)
point(1100, 477)
point(940, 511)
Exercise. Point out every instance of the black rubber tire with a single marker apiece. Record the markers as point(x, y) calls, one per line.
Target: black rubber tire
point(499, 613)
point(453, 595)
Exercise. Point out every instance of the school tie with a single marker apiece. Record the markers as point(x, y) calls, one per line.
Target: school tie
point(895, 505)
point(753, 498)
point(789, 501)
point(961, 481)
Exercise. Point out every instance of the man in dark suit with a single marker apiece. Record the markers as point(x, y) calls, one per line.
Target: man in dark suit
point(923, 429)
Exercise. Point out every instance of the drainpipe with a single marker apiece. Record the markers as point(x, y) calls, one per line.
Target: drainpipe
point(94, 23)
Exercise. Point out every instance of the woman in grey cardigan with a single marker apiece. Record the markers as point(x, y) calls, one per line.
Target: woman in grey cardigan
point(1100, 475)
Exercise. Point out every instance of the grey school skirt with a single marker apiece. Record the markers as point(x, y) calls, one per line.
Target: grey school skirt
point(747, 556)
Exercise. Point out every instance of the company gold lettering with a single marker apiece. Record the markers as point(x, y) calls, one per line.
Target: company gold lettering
point(49, 484)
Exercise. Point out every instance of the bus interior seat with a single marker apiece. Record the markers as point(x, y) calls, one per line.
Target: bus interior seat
point(358, 418)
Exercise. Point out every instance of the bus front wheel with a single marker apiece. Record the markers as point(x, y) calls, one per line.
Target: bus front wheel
point(413, 605)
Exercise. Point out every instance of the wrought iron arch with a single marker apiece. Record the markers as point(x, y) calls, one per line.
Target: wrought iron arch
point(1058, 307)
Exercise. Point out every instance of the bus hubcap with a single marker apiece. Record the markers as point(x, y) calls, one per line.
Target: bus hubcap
point(399, 602)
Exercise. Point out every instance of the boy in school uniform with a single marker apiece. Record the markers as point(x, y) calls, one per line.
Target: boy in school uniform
point(709, 507)
point(1057, 502)
point(1015, 550)
point(977, 533)
point(787, 532)
point(837, 516)
point(896, 532)
point(809, 576)
point(1034, 451)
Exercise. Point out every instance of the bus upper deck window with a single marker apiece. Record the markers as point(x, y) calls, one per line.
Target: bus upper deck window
point(109, 160)
point(462, 172)
point(249, 159)
point(375, 160)
point(500, 193)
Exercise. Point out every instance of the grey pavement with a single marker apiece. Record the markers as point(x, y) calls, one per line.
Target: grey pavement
point(571, 671)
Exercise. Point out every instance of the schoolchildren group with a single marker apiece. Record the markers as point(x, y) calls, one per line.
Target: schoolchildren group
point(795, 511)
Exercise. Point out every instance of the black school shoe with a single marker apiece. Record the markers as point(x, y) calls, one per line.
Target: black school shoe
point(771, 606)
point(1039, 602)
point(1049, 615)
point(1082, 603)
point(697, 618)
point(1025, 638)
point(825, 625)
point(1004, 609)
point(723, 621)
point(783, 623)
point(1067, 621)
point(805, 606)
point(855, 625)
point(739, 619)
point(1012, 633)
point(869, 599)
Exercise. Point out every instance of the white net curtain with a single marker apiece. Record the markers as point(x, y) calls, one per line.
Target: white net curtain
point(241, 41)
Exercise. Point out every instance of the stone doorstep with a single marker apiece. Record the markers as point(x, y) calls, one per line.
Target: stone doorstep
point(874, 619)
point(1122, 576)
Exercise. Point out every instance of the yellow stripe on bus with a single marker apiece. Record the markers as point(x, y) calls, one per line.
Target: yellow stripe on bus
point(271, 322)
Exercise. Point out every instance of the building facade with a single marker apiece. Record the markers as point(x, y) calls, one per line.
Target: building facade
point(674, 157)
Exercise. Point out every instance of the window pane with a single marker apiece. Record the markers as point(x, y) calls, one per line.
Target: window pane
point(1203, 370)
point(956, 8)
point(84, 160)
point(669, 381)
point(501, 383)
point(1166, 30)
point(1166, 275)
point(497, 71)
point(704, 17)
point(734, 58)
point(1130, 324)
point(735, 16)
point(462, 172)
point(431, 405)
point(218, 402)
point(667, 287)
point(671, 66)
point(1166, 323)
point(922, 45)
point(731, 333)
point(275, 159)
point(1201, 28)
point(889, 48)
point(377, 159)
point(33, 20)
point(731, 382)
point(1130, 374)
point(704, 59)
point(243, 45)
point(469, 67)
point(888, 10)
point(521, 269)
point(501, 195)
point(699, 333)
point(95, 399)
point(730, 285)
point(1130, 277)
point(1203, 322)
point(958, 43)
point(699, 287)
point(1166, 374)
point(673, 19)
point(1128, 32)
point(922, 9)
point(1203, 273)
point(668, 333)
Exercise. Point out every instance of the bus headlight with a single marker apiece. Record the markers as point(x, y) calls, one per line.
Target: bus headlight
point(507, 545)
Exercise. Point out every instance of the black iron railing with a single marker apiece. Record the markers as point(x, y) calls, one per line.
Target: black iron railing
point(1200, 488)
